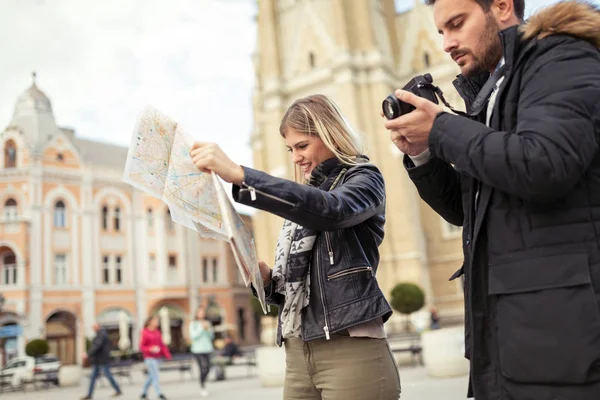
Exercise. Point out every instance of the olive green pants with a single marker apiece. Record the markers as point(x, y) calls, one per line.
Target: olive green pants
point(343, 368)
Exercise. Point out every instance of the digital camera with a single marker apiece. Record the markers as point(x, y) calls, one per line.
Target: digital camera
point(421, 85)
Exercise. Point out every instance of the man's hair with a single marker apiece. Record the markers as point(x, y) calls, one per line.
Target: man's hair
point(487, 4)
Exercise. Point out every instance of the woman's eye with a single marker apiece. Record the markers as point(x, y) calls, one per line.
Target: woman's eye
point(302, 147)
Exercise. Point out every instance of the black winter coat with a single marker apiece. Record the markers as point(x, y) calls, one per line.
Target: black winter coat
point(99, 352)
point(532, 238)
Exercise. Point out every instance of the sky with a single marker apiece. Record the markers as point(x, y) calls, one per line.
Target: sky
point(102, 62)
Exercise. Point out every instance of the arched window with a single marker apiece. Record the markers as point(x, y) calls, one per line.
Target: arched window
point(426, 59)
point(10, 154)
point(60, 214)
point(60, 157)
point(9, 269)
point(104, 218)
point(117, 219)
point(10, 209)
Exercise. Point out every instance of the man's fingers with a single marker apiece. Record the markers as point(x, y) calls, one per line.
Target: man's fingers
point(409, 97)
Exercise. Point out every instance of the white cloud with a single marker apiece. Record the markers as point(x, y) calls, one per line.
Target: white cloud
point(100, 63)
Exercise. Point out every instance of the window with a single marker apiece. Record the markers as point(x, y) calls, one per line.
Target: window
point(104, 218)
point(426, 60)
point(118, 270)
point(60, 269)
point(172, 275)
point(152, 268)
point(204, 269)
point(60, 157)
point(150, 218)
point(10, 210)
point(60, 214)
point(169, 221)
point(117, 219)
point(105, 270)
point(311, 59)
point(9, 269)
point(10, 154)
point(215, 271)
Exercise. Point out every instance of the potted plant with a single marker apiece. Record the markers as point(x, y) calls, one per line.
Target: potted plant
point(407, 298)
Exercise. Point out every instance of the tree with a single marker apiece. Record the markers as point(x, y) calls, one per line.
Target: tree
point(36, 348)
point(407, 298)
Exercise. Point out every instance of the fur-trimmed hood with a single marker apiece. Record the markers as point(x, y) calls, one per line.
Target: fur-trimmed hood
point(574, 17)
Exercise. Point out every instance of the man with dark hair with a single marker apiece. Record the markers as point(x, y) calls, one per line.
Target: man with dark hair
point(520, 172)
point(518, 5)
point(99, 357)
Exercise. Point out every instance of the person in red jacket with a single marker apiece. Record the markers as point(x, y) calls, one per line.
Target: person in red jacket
point(153, 349)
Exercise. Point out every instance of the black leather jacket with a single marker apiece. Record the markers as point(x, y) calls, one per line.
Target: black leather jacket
point(349, 220)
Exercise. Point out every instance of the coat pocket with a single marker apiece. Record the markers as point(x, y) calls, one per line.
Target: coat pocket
point(548, 325)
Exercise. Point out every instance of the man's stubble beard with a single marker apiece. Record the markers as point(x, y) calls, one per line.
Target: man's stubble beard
point(488, 50)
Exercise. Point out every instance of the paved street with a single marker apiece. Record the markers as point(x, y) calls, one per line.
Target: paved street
point(416, 385)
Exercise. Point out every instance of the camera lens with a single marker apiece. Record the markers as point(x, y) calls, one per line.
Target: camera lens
point(391, 107)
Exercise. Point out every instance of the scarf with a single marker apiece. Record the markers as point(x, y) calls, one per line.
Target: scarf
point(291, 271)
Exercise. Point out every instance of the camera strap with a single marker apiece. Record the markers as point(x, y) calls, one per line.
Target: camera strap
point(482, 97)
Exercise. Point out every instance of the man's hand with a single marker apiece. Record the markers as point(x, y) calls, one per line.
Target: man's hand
point(209, 157)
point(410, 132)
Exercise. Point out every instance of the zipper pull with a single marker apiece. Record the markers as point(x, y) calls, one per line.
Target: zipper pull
point(331, 257)
point(326, 329)
point(252, 193)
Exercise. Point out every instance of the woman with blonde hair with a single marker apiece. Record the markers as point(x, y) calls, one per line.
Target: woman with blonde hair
point(331, 309)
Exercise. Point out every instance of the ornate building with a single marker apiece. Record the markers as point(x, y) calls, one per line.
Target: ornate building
point(357, 52)
point(78, 245)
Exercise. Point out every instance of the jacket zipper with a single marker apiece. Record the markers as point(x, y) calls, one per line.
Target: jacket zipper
point(326, 327)
point(253, 192)
point(329, 248)
point(350, 271)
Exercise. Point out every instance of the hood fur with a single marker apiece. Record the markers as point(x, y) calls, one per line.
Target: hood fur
point(575, 18)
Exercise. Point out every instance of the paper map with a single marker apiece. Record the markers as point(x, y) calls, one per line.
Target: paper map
point(159, 163)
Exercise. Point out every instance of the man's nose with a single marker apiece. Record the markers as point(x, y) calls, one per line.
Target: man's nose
point(450, 43)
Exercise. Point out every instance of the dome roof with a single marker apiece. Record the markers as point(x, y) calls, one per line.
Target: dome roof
point(32, 99)
point(34, 118)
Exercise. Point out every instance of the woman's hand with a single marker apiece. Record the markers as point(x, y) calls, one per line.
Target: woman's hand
point(265, 272)
point(209, 157)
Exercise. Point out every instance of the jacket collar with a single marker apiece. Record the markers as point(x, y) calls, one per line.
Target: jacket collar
point(319, 175)
point(468, 88)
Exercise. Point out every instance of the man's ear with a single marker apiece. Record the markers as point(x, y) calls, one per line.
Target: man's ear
point(504, 11)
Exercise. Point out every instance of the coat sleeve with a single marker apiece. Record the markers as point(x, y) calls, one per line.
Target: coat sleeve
point(438, 184)
point(97, 344)
point(360, 197)
point(554, 140)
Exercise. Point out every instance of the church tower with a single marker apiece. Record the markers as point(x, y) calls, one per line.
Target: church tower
point(357, 53)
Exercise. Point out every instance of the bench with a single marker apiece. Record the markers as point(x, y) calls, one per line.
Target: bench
point(179, 362)
point(409, 342)
point(246, 357)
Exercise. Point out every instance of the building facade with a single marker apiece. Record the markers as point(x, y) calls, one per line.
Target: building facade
point(78, 245)
point(357, 53)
